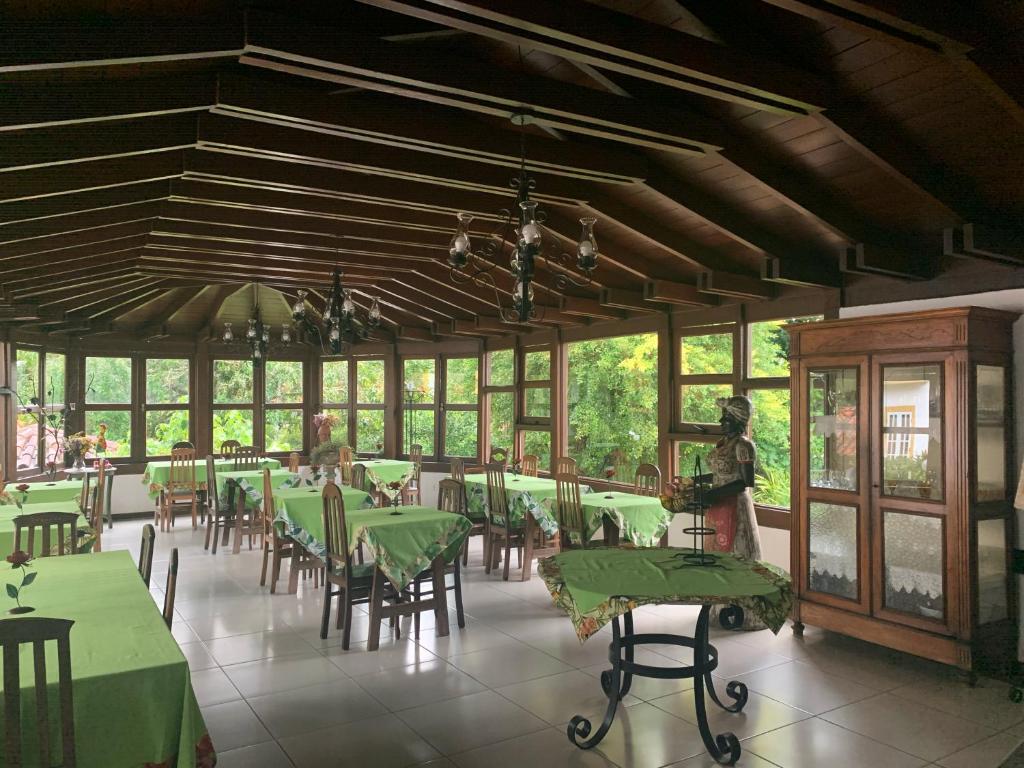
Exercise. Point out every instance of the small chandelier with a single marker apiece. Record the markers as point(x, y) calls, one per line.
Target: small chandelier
point(257, 334)
point(521, 227)
point(341, 322)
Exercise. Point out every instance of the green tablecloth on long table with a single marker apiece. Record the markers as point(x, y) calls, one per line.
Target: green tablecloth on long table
point(380, 472)
point(535, 495)
point(250, 481)
point(133, 698)
point(402, 545)
point(37, 493)
point(157, 472)
point(298, 509)
point(86, 538)
point(641, 520)
point(594, 586)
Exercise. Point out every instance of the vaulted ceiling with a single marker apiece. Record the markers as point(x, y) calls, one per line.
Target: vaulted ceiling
point(156, 159)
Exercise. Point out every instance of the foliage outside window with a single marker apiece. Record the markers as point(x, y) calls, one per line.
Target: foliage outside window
point(283, 397)
point(233, 402)
point(501, 368)
point(613, 404)
point(440, 408)
point(535, 406)
point(461, 406)
point(334, 396)
point(418, 400)
point(108, 405)
point(370, 389)
point(167, 399)
point(500, 394)
point(40, 409)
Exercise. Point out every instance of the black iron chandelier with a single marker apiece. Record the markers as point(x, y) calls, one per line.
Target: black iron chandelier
point(522, 229)
point(257, 335)
point(341, 321)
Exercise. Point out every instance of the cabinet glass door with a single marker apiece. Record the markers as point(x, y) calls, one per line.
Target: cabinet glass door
point(912, 428)
point(833, 410)
point(913, 558)
point(833, 551)
point(990, 421)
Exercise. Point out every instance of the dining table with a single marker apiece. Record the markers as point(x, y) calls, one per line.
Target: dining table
point(133, 699)
point(640, 520)
point(381, 472)
point(157, 473)
point(402, 543)
point(39, 492)
point(527, 495)
point(86, 537)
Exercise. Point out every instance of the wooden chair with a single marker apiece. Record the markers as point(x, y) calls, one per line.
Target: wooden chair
point(647, 481)
point(180, 488)
point(183, 444)
point(293, 462)
point(411, 491)
point(171, 587)
point(449, 499)
point(358, 475)
point(228, 448)
point(47, 521)
point(498, 456)
point(458, 475)
point(38, 631)
point(146, 553)
point(566, 466)
point(99, 505)
point(277, 548)
point(345, 458)
point(353, 581)
point(500, 531)
point(569, 513)
point(246, 458)
point(218, 519)
point(528, 465)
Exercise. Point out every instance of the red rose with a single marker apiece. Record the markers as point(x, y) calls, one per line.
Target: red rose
point(394, 485)
point(23, 487)
point(18, 557)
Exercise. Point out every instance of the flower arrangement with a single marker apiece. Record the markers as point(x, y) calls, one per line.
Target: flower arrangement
point(77, 445)
point(101, 438)
point(609, 473)
point(325, 453)
point(51, 469)
point(380, 450)
point(517, 467)
point(323, 423)
point(20, 560)
point(395, 486)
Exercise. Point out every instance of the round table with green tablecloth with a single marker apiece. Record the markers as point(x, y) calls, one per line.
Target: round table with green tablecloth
point(41, 492)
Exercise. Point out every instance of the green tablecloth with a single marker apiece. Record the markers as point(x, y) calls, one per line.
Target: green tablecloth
point(157, 472)
point(402, 545)
point(8, 513)
point(251, 483)
point(300, 510)
point(380, 472)
point(535, 495)
point(594, 586)
point(57, 490)
point(641, 520)
point(133, 698)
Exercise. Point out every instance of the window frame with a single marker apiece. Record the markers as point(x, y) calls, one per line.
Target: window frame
point(148, 406)
point(136, 418)
point(265, 406)
point(214, 406)
point(42, 352)
point(440, 405)
point(358, 406)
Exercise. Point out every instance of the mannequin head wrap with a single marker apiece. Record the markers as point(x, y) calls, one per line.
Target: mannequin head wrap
point(738, 407)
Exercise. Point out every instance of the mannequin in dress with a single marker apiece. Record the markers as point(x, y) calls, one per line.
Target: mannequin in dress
point(731, 513)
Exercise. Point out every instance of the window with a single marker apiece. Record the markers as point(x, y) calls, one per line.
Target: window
point(167, 399)
point(500, 368)
point(461, 406)
point(108, 405)
point(897, 439)
point(705, 373)
point(612, 400)
point(334, 397)
point(535, 402)
point(40, 408)
point(232, 402)
point(500, 396)
point(370, 390)
point(419, 414)
point(440, 410)
point(283, 398)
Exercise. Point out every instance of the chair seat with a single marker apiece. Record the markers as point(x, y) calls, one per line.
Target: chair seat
point(358, 572)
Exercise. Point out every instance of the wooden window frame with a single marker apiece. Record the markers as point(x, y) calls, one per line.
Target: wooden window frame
point(265, 407)
point(42, 352)
point(358, 406)
point(136, 418)
point(148, 406)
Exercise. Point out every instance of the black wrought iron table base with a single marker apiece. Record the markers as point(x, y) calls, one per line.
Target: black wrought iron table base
point(723, 747)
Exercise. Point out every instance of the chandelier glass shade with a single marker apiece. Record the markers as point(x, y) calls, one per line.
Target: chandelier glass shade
point(257, 333)
point(341, 322)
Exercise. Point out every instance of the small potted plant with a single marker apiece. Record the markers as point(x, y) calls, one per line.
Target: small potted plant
point(325, 454)
point(20, 561)
point(395, 488)
point(76, 446)
point(517, 467)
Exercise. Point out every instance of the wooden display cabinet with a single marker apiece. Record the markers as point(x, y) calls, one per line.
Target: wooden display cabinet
point(903, 522)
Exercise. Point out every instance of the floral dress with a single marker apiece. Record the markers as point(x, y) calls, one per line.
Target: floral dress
point(733, 517)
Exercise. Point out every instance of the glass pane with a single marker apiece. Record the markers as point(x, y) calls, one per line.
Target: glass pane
point(232, 383)
point(711, 353)
point(418, 427)
point(166, 381)
point(108, 380)
point(418, 381)
point(833, 428)
point(369, 430)
point(912, 431)
point(53, 439)
point(27, 367)
point(370, 382)
point(340, 432)
point(538, 402)
point(54, 379)
point(335, 381)
point(461, 375)
point(163, 430)
point(115, 427)
point(283, 382)
point(538, 365)
point(500, 427)
point(460, 433)
point(687, 455)
point(769, 346)
point(284, 429)
point(501, 371)
point(698, 402)
point(610, 382)
point(992, 574)
point(28, 440)
point(232, 424)
point(538, 444)
point(913, 564)
point(991, 420)
point(769, 429)
point(832, 549)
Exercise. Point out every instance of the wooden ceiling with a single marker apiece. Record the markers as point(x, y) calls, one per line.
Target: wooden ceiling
point(156, 159)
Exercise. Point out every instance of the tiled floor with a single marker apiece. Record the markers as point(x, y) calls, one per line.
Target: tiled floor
point(500, 692)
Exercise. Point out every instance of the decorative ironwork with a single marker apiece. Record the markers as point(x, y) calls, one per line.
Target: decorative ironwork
point(257, 334)
point(698, 507)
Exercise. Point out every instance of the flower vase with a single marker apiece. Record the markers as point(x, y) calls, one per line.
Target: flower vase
point(79, 462)
point(323, 433)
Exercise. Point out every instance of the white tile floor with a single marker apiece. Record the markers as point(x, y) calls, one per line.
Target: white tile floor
point(500, 692)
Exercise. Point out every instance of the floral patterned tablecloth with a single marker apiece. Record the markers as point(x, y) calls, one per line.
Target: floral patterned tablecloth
point(157, 472)
point(380, 472)
point(534, 495)
point(298, 509)
point(250, 481)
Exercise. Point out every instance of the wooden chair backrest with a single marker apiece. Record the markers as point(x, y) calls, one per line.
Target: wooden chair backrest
point(335, 529)
point(498, 456)
point(228, 448)
point(269, 509)
point(146, 552)
point(345, 457)
point(568, 510)
point(246, 457)
point(497, 500)
point(182, 444)
point(648, 480)
point(99, 504)
point(211, 485)
point(416, 457)
point(293, 462)
point(183, 470)
point(38, 631)
point(528, 465)
point(171, 587)
point(566, 466)
point(449, 496)
point(359, 476)
point(46, 522)
point(458, 471)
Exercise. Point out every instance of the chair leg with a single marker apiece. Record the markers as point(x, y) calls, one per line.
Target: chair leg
point(416, 616)
point(458, 596)
point(326, 618)
point(346, 608)
point(209, 526)
point(195, 512)
point(275, 571)
point(263, 571)
point(217, 521)
point(465, 551)
point(487, 553)
point(293, 575)
point(508, 555)
point(526, 561)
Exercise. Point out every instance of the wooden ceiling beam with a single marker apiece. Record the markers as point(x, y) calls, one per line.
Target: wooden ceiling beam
point(631, 300)
point(618, 42)
point(76, 255)
point(820, 274)
point(74, 223)
point(736, 286)
point(589, 308)
point(416, 333)
point(56, 243)
point(91, 296)
point(42, 210)
point(72, 281)
point(998, 245)
point(664, 291)
point(866, 260)
point(172, 301)
point(130, 302)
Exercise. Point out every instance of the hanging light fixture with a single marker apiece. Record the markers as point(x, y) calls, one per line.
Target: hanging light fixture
point(257, 334)
point(341, 321)
point(522, 229)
